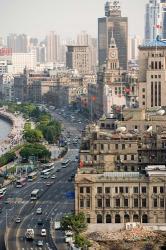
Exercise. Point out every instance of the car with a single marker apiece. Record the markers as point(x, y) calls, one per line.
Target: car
point(39, 243)
point(49, 183)
point(58, 170)
point(43, 232)
point(39, 210)
point(53, 176)
point(18, 220)
point(40, 222)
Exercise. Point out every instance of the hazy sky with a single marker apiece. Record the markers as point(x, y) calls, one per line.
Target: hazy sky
point(66, 17)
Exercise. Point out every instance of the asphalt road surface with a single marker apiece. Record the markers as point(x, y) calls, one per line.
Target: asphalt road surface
point(53, 201)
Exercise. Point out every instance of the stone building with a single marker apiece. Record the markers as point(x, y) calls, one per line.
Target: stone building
point(119, 197)
point(152, 78)
point(78, 57)
point(114, 182)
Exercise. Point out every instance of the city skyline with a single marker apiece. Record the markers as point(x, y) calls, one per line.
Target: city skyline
point(66, 18)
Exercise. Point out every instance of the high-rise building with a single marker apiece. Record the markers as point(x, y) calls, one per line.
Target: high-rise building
point(85, 39)
point(52, 41)
point(153, 20)
point(113, 21)
point(152, 78)
point(78, 57)
point(18, 43)
point(163, 4)
point(134, 42)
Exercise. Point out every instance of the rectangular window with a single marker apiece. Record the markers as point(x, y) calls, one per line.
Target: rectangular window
point(160, 65)
point(107, 190)
point(132, 157)
point(123, 146)
point(95, 146)
point(152, 65)
point(135, 190)
point(152, 94)
point(135, 202)
point(159, 94)
point(99, 190)
point(88, 203)
point(102, 147)
point(99, 203)
point(155, 203)
point(120, 189)
point(116, 190)
point(143, 190)
point(81, 203)
point(81, 190)
point(143, 202)
point(107, 202)
point(88, 190)
point(155, 190)
point(125, 157)
point(117, 202)
point(155, 93)
point(126, 202)
point(143, 90)
point(161, 190)
point(161, 202)
point(116, 146)
point(127, 190)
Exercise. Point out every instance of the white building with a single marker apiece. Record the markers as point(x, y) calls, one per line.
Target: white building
point(153, 17)
point(23, 60)
point(134, 42)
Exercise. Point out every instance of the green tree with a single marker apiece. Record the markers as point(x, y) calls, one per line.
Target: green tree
point(75, 223)
point(81, 241)
point(37, 150)
point(33, 135)
point(7, 157)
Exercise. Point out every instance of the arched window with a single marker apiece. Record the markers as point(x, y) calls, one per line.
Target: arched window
point(126, 218)
point(99, 218)
point(144, 218)
point(135, 218)
point(117, 218)
point(108, 218)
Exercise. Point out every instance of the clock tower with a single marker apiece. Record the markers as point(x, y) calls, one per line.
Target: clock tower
point(112, 60)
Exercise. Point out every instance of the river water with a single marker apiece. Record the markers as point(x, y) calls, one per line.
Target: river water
point(5, 128)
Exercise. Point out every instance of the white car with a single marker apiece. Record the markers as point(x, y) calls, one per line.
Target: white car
point(43, 232)
point(53, 176)
point(39, 210)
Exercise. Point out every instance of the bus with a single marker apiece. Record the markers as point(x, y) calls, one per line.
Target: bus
point(49, 166)
point(32, 176)
point(21, 182)
point(65, 163)
point(43, 172)
point(35, 194)
point(2, 192)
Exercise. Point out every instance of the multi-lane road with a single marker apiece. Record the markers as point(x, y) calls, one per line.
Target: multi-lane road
point(53, 201)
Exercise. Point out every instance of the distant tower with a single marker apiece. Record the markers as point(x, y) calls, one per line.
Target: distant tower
point(52, 47)
point(113, 20)
point(153, 20)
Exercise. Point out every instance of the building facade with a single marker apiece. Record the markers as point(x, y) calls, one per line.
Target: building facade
point(152, 79)
point(113, 21)
point(122, 197)
point(79, 57)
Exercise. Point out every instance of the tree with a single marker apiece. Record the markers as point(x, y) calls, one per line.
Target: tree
point(37, 150)
point(75, 223)
point(33, 135)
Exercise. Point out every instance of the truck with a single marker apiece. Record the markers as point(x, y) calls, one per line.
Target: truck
point(29, 234)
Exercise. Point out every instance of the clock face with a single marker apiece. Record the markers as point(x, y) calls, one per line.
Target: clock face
point(113, 54)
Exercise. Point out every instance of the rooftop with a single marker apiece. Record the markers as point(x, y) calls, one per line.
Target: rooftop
point(154, 43)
